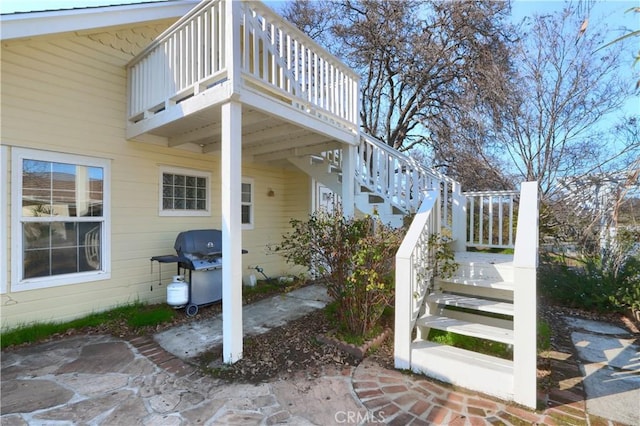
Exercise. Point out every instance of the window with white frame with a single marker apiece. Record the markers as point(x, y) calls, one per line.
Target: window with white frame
point(184, 192)
point(60, 219)
point(247, 203)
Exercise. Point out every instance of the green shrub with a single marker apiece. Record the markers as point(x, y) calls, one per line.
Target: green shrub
point(610, 281)
point(355, 257)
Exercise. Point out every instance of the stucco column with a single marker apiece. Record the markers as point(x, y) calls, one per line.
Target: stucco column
point(231, 179)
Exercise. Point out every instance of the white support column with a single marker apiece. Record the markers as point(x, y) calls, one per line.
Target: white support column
point(348, 180)
point(231, 178)
point(525, 262)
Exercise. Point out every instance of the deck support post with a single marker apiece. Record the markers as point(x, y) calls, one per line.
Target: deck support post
point(525, 263)
point(348, 180)
point(231, 179)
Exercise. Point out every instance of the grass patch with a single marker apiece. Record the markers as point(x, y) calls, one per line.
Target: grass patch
point(487, 347)
point(264, 288)
point(493, 250)
point(341, 333)
point(151, 317)
point(135, 316)
point(544, 336)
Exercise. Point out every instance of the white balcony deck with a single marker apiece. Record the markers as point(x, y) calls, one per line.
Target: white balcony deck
point(296, 97)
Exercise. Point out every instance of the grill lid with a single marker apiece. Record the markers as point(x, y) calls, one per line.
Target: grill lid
point(200, 243)
point(200, 249)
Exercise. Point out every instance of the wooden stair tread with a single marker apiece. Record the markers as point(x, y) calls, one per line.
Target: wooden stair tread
point(466, 328)
point(463, 356)
point(479, 282)
point(475, 303)
point(471, 257)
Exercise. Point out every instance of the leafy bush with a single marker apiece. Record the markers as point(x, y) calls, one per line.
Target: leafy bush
point(355, 257)
point(610, 281)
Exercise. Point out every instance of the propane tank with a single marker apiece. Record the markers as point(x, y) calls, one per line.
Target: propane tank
point(177, 292)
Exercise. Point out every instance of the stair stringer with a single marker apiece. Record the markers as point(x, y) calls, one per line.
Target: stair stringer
point(319, 171)
point(331, 177)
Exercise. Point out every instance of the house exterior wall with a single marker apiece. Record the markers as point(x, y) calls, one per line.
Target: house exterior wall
point(67, 94)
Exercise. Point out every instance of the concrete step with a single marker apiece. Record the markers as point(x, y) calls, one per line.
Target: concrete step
point(482, 331)
point(484, 373)
point(474, 303)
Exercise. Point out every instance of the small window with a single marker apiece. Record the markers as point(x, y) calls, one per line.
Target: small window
point(247, 203)
point(60, 219)
point(184, 192)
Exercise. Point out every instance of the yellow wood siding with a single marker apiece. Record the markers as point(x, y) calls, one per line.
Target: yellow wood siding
point(68, 95)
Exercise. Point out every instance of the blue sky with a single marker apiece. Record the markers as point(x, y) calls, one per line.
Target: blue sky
point(608, 12)
point(521, 7)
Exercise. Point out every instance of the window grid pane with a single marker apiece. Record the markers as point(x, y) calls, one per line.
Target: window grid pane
point(56, 248)
point(60, 193)
point(183, 192)
point(246, 201)
point(246, 214)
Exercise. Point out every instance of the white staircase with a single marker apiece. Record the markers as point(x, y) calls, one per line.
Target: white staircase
point(490, 297)
point(326, 170)
point(387, 182)
point(476, 302)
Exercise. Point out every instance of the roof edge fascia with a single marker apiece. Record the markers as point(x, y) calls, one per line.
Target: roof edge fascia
point(33, 24)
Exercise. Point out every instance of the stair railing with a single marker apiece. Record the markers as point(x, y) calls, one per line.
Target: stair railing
point(400, 179)
point(414, 274)
point(491, 218)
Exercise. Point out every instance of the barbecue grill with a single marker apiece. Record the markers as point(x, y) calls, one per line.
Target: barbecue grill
point(199, 251)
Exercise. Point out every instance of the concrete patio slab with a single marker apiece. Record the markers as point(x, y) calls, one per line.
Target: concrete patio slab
point(197, 337)
point(616, 352)
point(610, 364)
point(105, 380)
point(594, 326)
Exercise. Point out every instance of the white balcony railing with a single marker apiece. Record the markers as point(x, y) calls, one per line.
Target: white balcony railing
point(191, 56)
point(182, 61)
point(278, 55)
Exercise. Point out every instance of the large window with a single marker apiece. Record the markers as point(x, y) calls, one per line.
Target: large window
point(247, 203)
point(60, 209)
point(184, 192)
